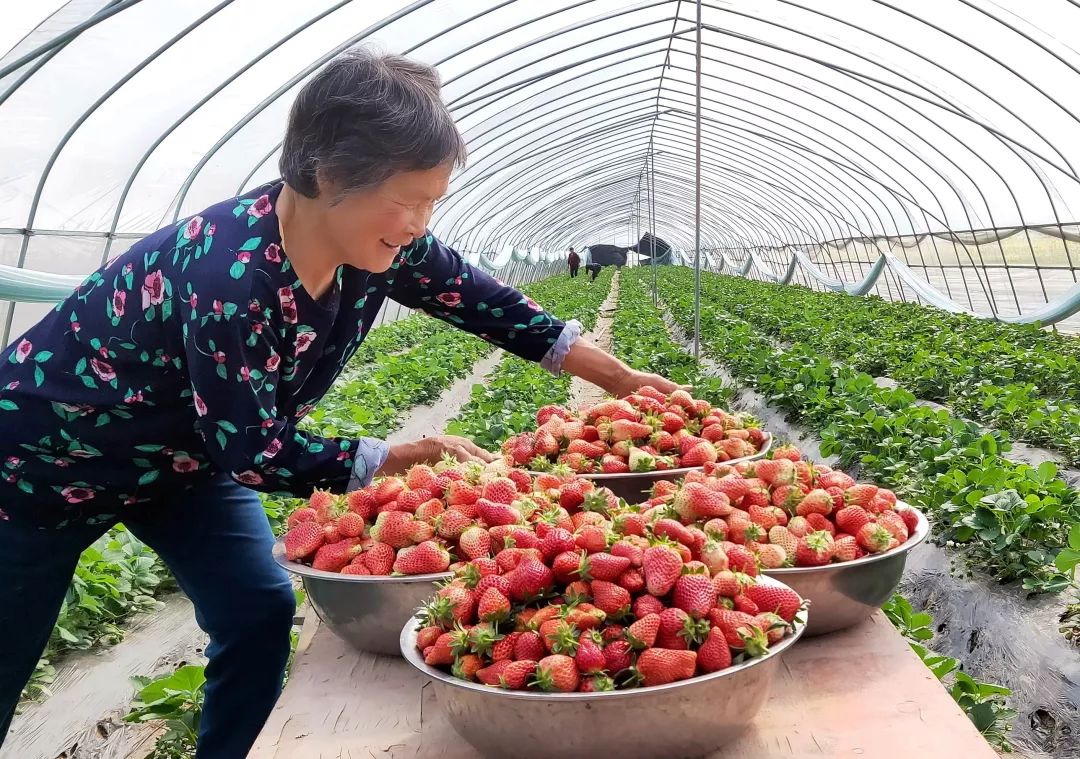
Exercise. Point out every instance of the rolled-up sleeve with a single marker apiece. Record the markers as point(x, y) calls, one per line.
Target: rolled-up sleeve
point(436, 279)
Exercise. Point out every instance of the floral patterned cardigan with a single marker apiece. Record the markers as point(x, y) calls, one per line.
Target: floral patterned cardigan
point(197, 351)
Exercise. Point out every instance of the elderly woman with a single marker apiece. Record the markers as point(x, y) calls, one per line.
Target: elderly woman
point(168, 387)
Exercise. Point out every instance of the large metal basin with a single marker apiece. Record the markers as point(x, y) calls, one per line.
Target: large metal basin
point(636, 486)
point(685, 719)
point(367, 612)
point(842, 595)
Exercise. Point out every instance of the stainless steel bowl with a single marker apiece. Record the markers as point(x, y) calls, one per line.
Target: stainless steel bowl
point(634, 486)
point(367, 612)
point(845, 594)
point(684, 719)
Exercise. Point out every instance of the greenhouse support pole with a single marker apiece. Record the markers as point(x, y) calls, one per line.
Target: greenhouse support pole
point(697, 193)
point(652, 221)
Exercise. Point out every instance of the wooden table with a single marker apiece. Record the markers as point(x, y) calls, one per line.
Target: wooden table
point(861, 693)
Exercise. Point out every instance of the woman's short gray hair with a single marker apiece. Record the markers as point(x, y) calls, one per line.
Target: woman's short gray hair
point(364, 117)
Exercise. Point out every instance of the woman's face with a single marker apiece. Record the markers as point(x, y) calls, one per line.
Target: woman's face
point(371, 226)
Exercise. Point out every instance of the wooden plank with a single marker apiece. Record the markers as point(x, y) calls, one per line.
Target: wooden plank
point(861, 693)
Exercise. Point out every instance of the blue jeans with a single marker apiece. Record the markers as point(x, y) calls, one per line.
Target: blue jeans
point(217, 542)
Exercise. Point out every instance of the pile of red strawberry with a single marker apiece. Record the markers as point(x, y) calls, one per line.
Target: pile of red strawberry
point(642, 432)
point(621, 607)
point(783, 512)
point(435, 518)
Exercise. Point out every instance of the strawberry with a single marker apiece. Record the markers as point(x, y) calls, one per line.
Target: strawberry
point(602, 566)
point(669, 528)
point(441, 652)
point(493, 606)
point(820, 522)
point(911, 519)
point(362, 502)
point(410, 500)
point(557, 673)
point(659, 666)
point(566, 565)
point(630, 550)
point(662, 567)
point(624, 429)
point(846, 548)
point(585, 448)
point(578, 462)
point(379, 558)
point(611, 464)
point(544, 413)
point(303, 540)
point(699, 454)
point(350, 525)
point(860, 494)
point(633, 580)
point(429, 510)
point(774, 626)
point(333, 557)
point(585, 616)
point(493, 674)
point(461, 492)
point(789, 452)
point(395, 528)
point(671, 422)
point(763, 516)
point(695, 594)
point(742, 559)
point(590, 656)
point(851, 519)
point(814, 550)
point(576, 591)
point(529, 580)
point(663, 442)
point(451, 525)
point(357, 567)
point(500, 490)
point(466, 667)
point(475, 542)
point(645, 604)
point(387, 489)
point(597, 683)
point(784, 538)
point(745, 604)
point(874, 538)
point(529, 647)
point(643, 632)
point(610, 598)
point(835, 479)
point(572, 494)
point(778, 599)
point(714, 654)
point(545, 444)
point(618, 656)
point(714, 557)
point(799, 527)
point(520, 449)
point(426, 558)
point(894, 523)
point(815, 502)
point(330, 533)
point(741, 630)
point(556, 541)
point(305, 514)
point(716, 529)
point(771, 556)
point(503, 648)
point(713, 432)
point(494, 513)
point(427, 636)
point(592, 538)
point(498, 582)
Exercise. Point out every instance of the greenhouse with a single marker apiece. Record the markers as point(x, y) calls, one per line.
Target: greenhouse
point(667, 378)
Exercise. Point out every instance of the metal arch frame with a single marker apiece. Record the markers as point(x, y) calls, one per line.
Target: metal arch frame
point(649, 154)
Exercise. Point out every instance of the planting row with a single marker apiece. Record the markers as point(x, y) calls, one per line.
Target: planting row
point(507, 403)
point(1012, 519)
point(1015, 378)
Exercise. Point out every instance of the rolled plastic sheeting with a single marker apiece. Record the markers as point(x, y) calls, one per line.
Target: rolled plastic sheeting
point(28, 286)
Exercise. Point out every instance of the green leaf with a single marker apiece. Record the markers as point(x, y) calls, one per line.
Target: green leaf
point(43, 356)
point(251, 243)
point(6, 405)
point(227, 426)
point(149, 477)
point(236, 271)
point(221, 439)
point(1074, 537)
point(39, 376)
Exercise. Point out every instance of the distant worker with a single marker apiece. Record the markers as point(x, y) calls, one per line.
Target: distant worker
point(594, 268)
point(573, 261)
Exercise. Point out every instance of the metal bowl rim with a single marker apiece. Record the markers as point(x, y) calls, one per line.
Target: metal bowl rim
point(411, 654)
point(922, 531)
point(660, 474)
point(303, 570)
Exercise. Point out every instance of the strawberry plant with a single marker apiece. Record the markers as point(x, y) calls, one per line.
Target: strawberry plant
point(507, 403)
point(1010, 519)
point(985, 704)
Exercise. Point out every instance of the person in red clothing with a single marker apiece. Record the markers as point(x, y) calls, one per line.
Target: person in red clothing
point(573, 261)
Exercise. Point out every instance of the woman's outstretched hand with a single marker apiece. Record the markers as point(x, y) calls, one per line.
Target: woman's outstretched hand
point(430, 450)
point(634, 380)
